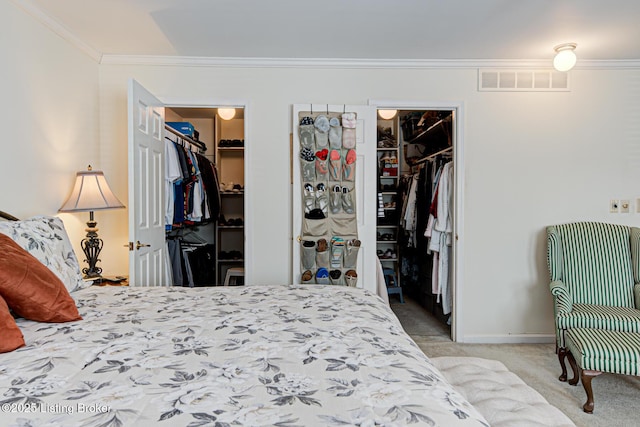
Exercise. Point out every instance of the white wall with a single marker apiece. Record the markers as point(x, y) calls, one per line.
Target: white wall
point(49, 119)
point(532, 159)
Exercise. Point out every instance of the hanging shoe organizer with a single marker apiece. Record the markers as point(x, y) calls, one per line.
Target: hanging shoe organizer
point(329, 242)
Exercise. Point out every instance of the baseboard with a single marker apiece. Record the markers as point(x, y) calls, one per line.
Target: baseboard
point(509, 339)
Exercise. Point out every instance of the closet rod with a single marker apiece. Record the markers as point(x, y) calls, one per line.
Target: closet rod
point(190, 140)
point(431, 156)
point(424, 132)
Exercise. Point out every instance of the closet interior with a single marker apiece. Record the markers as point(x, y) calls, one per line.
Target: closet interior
point(205, 193)
point(415, 206)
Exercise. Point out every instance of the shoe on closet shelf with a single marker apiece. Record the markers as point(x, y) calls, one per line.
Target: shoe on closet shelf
point(390, 254)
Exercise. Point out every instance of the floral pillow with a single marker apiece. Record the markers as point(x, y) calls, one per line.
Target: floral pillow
point(46, 239)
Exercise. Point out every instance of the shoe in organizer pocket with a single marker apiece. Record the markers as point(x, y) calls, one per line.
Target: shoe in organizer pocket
point(351, 278)
point(335, 165)
point(322, 276)
point(335, 277)
point(349, 166)
point(307, 277)
point(322, 126)
point(335, 133)
point(349, 130)
point(308, 257)
point(335, 201)
point(337, 246)
point(351, 249)
point(307, 132)
point(322, 199)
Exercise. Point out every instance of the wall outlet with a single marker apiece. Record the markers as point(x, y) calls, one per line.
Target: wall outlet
point(625, 206)
point(614, 206)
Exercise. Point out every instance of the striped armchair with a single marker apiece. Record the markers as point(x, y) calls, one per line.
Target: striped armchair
point(595, 278)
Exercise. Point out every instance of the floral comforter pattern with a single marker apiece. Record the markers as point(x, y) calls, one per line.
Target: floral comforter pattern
point(239, 356)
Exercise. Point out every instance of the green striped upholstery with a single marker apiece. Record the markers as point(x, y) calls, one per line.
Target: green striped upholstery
point(601, 317)
point(635, 253)
point(593, 268)
point(596, 263)
point(606, 351)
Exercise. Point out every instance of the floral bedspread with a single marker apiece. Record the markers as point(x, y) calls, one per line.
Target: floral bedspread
point(238, 356)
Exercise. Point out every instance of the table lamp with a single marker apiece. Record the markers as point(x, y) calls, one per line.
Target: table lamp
point(91, 193)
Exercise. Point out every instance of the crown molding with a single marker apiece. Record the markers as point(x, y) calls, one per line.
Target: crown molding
point(236, 62)
point(62, 31)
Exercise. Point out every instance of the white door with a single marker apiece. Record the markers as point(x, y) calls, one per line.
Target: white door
point(366, 171)
point(146, 192)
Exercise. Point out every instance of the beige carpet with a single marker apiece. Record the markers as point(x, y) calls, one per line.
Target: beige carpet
point(616, 397)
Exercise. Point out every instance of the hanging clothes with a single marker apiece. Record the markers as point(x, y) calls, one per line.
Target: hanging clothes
point(427, 227)
point(441, 236)
point(173, 173)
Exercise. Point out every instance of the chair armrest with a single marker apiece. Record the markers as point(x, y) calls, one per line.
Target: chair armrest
point(636, 294)
point(561, 297)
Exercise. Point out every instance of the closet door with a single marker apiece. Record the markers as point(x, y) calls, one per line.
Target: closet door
point(365, 189)
point(146, 197)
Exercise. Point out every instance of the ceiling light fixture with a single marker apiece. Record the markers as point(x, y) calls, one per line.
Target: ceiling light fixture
point(565, 57)
point(387, 114)
point(226, 113)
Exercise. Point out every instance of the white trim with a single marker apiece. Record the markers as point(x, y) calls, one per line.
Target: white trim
point(196, 61)
point(458, 223)
point(248, 176)
point(37, 13)
point(510, 339)
point(237, 62)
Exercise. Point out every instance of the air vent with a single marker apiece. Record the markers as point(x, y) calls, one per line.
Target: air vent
point(522, 81)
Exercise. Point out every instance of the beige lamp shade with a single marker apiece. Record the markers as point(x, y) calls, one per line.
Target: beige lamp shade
point(90, 193)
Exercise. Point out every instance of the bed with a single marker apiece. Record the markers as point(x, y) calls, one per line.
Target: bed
point(309, 355)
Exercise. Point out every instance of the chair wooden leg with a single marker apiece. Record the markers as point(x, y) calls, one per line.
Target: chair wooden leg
point(587, 376)
point(562, 354)
point(574, 367)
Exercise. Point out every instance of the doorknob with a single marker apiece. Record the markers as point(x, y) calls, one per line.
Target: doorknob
point(138, 245)
point(141, 245)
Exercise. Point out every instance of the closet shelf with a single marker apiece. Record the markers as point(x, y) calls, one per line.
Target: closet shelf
point(232, 193)
point(425, 132)
point(190, 140)
point(227, 227)
point(230, 148)
point(225, 261)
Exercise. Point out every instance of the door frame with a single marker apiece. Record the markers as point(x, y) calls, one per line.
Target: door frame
point(245, 104)
point(457, 253)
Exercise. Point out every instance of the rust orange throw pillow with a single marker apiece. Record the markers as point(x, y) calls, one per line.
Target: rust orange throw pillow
point(10, 335)
point(30, 288)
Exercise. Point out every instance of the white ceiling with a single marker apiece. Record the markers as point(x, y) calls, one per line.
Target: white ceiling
point(350, 29)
